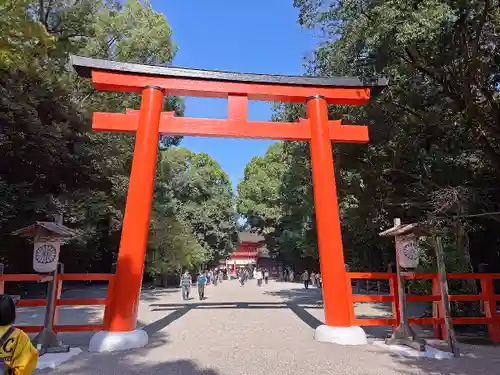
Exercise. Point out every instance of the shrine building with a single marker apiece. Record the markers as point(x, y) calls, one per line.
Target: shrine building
point(251, 252)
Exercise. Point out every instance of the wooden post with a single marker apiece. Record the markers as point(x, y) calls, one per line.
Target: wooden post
point(490, 309)
point(107, 309)
point(59, 285)
point(2, 283)
point(337, 299)
point(128, 279)
point(394, 291)
point(445, 302)
point(437, 312)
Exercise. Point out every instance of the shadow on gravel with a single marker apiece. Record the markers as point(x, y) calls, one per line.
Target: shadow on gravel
point(127, 363)
point(299, 295)
point(299, 299)
point(474, 361)
point(151, 294)
point(180, 309)
point(155, 327)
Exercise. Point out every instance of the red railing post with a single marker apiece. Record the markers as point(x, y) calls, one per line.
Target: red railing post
point(394, 291)
point(107, 308)
point(490, 308)
point(2, 282)
point(437, 311)
point(352, 312)
point(58, 285)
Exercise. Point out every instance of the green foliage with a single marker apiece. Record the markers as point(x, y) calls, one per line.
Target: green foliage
point(194, 189)
point(51, 163)
point(435, 145)
point(173, 247)
point(21, 37)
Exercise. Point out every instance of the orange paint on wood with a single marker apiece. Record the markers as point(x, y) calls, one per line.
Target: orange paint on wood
point(374, 322)
point(339, 310)
point(490, 309)
point(55, 311)
point(130, 265)
point(32, 303)
point(369, 275)
point(358, 298)
point(81, 301)
point(23, 277)
point(440, 331)
point(235, 126)
point(393, 289)
point(216, 89)
point(107, 309)
point(85, 276)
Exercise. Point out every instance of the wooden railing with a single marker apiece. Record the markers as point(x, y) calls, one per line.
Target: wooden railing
point(63, 301)
point(488, 300)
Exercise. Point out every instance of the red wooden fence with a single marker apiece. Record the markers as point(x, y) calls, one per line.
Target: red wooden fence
point(487, 297)
point(63, 301)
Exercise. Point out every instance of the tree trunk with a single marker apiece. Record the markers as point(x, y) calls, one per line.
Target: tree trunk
point(469, 286)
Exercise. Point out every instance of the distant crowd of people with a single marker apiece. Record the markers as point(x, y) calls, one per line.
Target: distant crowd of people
point(204, 278)
point(243, 274)
point(258, 273)
point(313, 279)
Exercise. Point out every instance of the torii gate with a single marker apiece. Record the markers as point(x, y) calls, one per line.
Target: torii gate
point(154, 83)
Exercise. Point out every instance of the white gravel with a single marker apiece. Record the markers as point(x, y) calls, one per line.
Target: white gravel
point(254, 331)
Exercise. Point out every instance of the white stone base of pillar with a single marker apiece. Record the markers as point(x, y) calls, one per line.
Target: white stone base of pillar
point(104, 341)
point(341, 335)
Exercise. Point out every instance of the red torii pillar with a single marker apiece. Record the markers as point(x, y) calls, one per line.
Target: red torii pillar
point(155, 82)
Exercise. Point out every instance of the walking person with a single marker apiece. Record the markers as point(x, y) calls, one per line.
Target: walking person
point(312, 279)
point(185, 285)
point(202, 281)
point(216, 277)
point(258, 276)
point(318, 280)
point(266, 276)
point(243, 277)
point(305, 279)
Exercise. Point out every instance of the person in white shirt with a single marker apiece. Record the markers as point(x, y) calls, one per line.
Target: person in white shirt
point(258, 276)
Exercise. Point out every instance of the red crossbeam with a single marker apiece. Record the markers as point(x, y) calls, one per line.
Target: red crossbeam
point(111, 81)
point(233, 127)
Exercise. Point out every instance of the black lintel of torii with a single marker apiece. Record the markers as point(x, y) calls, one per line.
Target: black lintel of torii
point(85, 65)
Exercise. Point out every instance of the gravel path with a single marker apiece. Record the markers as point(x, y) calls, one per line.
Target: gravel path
point(250, 330)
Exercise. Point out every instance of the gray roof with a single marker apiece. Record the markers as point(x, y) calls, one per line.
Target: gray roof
point(59, 230)
point(85, 65)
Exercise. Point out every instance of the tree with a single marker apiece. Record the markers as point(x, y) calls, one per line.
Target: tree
point(259, 192)
point(433, 153)
point(193, 188)
point(44, 115)
point(21, 37)
point(172, 248)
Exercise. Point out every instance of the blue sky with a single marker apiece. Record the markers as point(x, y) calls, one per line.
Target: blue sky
point(258, 36)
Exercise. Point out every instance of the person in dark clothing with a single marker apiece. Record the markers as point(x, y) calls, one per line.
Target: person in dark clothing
point(305, 279)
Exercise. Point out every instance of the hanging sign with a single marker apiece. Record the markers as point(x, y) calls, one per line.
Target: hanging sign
point(407, 251)
point(46, 254)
